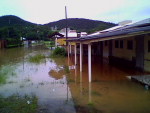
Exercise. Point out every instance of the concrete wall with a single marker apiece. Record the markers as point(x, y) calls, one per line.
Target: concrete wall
point(124, 52)
point(147, 54)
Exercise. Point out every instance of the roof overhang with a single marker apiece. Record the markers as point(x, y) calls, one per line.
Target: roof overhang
point(112, 35)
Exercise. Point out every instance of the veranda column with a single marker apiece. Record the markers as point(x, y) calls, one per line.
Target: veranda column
point(70, 48)
point(75, 54)
point(81, 57)
point(55, 42)
point(89, 61)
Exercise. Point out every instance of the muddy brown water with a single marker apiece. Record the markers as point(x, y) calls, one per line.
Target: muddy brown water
point(109, 92)
point(26, 78)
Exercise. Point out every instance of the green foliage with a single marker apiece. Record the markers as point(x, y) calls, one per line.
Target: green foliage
point(17, 104)
point(59, 52)
point(37, 58)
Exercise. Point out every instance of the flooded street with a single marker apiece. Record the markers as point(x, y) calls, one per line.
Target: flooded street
point(109, 92)
point(26, 78)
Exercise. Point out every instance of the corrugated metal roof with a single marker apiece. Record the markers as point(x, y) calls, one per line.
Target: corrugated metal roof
point(122, 31)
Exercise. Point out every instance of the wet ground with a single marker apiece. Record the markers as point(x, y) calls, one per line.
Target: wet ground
point(110, 91)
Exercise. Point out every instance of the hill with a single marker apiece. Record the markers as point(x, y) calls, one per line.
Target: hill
point(10, 20)
point(81, 24)
point(13, 27)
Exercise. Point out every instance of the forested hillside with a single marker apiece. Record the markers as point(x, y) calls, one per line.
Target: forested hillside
point(81, 24)
point(13, 27)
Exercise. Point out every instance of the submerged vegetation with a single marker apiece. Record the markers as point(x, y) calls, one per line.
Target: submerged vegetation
point(66, 68)
point(59, 52)
point(17, 104)
point(37, 58)
point(4, 73)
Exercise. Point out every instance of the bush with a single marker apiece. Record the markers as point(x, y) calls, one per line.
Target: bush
point(59, 52)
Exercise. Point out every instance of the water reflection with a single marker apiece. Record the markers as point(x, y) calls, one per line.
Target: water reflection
point(75, 74)
point(90, 89)
point(45, 80)
point(81, 88)
point(110, 91)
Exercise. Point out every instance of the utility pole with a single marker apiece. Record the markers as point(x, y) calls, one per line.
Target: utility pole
point(66, 25)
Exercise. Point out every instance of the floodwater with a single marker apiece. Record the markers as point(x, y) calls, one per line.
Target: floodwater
point(109, 92)
point(26, 78)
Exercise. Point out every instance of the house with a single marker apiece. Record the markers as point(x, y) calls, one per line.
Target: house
point(71, 34)
point(126, 45)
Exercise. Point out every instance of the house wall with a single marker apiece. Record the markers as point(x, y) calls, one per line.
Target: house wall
point(124, 53)
point(61, 41)
point(147, 54)
point(105, 49)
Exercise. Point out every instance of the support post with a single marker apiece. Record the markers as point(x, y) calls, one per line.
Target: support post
point(81, 57)
point(70, 47)
point(89, 61)
point(55, 42)
point(75, 54)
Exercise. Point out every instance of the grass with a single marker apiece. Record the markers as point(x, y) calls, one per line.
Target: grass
point(49, 43)
point(41, 83)
point(37, 58)
point(2, 79)
point(15, 45)
point(13, 74)
point(27, 79)
point(22, 86)
point(17, 104)
point(4, 73)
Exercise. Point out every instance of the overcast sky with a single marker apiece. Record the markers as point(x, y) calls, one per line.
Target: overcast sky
point(45, 11)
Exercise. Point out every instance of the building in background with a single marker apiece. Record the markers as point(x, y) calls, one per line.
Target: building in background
point(72, 34)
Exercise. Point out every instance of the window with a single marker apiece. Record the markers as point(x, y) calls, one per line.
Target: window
point(106, 43)
point(130, 44)
point(149, 46)
point(116, 44)
point(121, 44)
